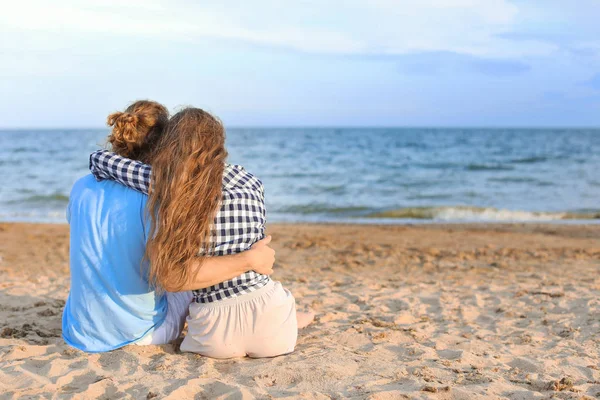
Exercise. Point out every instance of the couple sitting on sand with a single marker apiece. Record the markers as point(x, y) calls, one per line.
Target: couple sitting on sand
point(184, 238)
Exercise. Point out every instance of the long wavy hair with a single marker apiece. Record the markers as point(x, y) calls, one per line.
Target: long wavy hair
point(185, 195)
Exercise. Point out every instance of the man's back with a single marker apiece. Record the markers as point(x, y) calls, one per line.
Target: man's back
point(109, 286)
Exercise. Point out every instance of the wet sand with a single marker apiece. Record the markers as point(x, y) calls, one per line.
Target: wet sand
point(454, 311)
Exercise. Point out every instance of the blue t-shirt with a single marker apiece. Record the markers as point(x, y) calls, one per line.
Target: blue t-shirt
point(111, 303)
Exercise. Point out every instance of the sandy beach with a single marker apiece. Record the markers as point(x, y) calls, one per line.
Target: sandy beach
point(440, 311)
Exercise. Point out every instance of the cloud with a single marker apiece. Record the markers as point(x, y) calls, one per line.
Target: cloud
point(569, 29)
point(572, 42)
point(499, 67)
point(334, 27)
point(553, 96)
point(477, 58)
point(436, 63)
point(593, 82)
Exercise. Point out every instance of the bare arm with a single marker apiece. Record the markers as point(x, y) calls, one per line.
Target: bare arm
point(213, 270)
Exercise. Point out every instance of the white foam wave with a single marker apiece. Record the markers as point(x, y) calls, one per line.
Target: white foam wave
point(492, 214)
point(480, 214)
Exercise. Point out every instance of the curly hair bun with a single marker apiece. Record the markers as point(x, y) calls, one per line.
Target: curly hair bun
point(125, 131)
point(135, 131)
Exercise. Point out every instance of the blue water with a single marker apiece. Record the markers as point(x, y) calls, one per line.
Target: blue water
point(352, 174)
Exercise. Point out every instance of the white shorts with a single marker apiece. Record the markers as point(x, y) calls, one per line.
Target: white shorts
point(258, 324)
point(171, 327)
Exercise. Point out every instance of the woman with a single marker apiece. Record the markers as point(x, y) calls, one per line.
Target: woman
point(111, 303)
point(203, 203)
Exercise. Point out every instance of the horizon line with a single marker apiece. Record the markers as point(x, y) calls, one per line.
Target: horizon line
point(336, 127)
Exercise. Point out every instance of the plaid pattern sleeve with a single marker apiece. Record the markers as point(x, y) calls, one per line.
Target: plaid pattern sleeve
point(133, 174)
point(239, 223)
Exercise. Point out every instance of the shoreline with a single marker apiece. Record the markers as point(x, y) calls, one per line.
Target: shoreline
point(374, 221)
point(403, 311)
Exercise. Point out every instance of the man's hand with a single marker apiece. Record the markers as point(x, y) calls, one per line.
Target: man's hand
point(261, 257)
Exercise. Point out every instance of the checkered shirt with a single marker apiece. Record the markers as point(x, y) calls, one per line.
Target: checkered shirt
point(238, 225)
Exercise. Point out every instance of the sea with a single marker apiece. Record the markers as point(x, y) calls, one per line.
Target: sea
point(356, 175)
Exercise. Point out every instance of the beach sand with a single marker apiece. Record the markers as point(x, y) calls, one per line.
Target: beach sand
point(450, 312)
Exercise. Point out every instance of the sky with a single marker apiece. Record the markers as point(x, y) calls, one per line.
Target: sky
point(304, 63)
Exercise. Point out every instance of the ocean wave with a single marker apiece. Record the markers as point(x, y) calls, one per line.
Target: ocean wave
point(338, 189)
point(530, 160)
point(433, 196)
point(24, 150)
point(33, 216)
point(521, 179)
point(308, 209)
point(488, 167)
point(56, 198)
point(293, 175)
point(438, 165)
point(513, 179)
point(466, 213)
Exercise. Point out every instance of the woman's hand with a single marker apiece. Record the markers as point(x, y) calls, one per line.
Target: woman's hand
point(261, 257)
